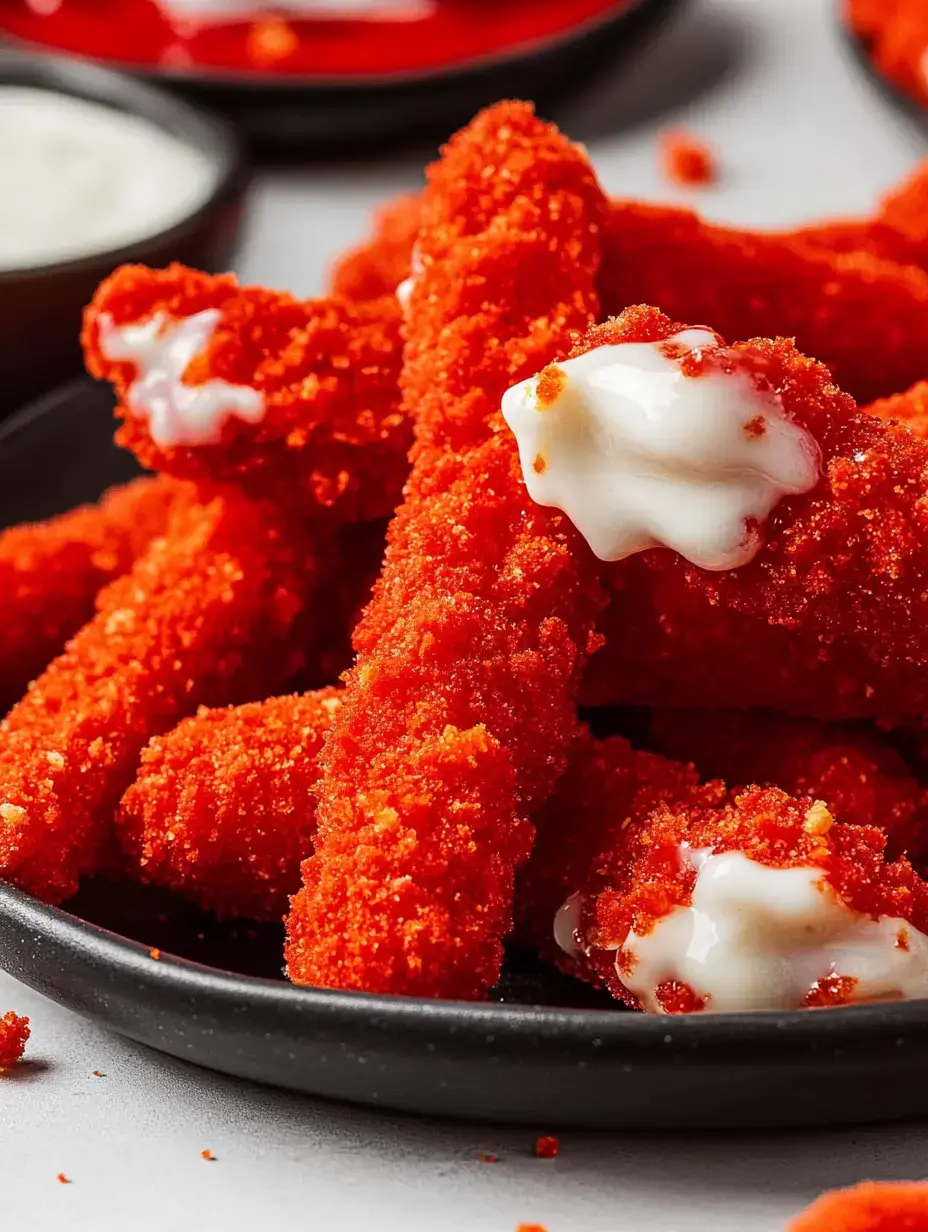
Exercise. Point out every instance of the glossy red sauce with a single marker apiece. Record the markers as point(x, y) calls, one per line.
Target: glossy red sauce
point(448, 32)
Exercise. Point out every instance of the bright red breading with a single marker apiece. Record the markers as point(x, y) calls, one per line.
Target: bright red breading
point(223, 808)
point(866, 319)
point(50, 572)
point(895, 33)
point(332, 438)
point(377, 266)
point(207, 615)
point(827, 619)
point(461, 705)
point(14, 1033)
point(909, 408)
point(887, 1206)
point(861, 778)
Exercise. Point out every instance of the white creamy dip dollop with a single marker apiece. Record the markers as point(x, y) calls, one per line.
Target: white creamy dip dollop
point(761, 938)
point(77, 178)
point(162, 349)
point(638, 454)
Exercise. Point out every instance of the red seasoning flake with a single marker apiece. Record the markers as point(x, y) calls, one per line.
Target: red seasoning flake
point(155, 954)
point(485, 1157)
point(531, 1227)
point(98, 1073)
point(64, 1180)
point(207, 1154)
point(14, 1031)
point(547, 1147)
point(686, 160)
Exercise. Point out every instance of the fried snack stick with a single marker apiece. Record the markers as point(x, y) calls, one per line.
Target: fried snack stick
point(896, 35)
point(377, 266)
point(293, 402)
point(866, 319)
point(828, 617)
point(50, 572)
point(861, 778)
point(887, 1206)
point(459, 711)
point(208, 615)
point(223, 808)
point(909, 408)
point(764, 901)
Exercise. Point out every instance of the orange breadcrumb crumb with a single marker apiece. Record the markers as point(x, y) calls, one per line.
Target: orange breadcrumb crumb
point(63, 1180)
point(154, 953)
point(462, 701)
point(208, 1155)
point(50, 572)
point(97, 1073)
point(485, 1157)
point(223, 808)
point(531, 1227)
point(209, 614)
point(14, 1032)
point(547, 1147)
point(333, 437)
point(686, 160)
point(889, 1206)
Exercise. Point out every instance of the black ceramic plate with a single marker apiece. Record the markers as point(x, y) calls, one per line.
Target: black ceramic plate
point(326, 115)
point(544, 1051)
point(860, 53)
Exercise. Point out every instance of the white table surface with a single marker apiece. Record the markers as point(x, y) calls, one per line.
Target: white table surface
point(800, 134)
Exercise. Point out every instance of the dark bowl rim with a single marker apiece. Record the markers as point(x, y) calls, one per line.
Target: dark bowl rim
point(613, 14)
point(792, 1032)
point(209, 135)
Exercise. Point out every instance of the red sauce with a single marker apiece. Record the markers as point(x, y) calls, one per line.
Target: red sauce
point(451, 32)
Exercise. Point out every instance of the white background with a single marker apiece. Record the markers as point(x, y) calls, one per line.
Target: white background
point(800, 134)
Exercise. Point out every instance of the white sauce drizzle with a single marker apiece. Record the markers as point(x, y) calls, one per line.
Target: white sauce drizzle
point(161, 349)
point(639, 455)
point(760, 938)
point(78, 178)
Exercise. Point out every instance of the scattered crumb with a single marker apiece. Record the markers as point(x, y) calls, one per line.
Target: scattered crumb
point(550, 385)
point(98, 1073)
point(155, 954)
point(485, 1157)
point(207, 1154)
point(818, 819)
point(547, 1147)
point(531, 1227)
point(14, 1031)
point(64, 1180)
point(687, 160)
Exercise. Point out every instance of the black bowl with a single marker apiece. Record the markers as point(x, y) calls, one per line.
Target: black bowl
point(40, 307)
point(545, 1051)
point(337, 115)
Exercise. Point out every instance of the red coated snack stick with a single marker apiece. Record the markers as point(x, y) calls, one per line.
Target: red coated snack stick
point(207, 615)
point(50, 572)
point(866, 319)
point(295, 402)
point(896, 35)
point(460, 708)
point(887, 1206)
point(14, 1033)
point(861, 778)
point(377, 266)
point(761, 902)
point(223, 808)
point(909, 408)
point(827, 618)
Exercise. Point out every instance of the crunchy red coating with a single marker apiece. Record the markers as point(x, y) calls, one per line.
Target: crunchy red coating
point(828, 619)
point(207, 615)
point(873, 1206)
point(50, 572)
point(896, 34)
point(223, 808)
point(861, 778)
point(459, 710)
point(866, 319)
point(14, 1033)
point(909, 408)
point(333, 437)
point(686, 160)
point(377, 266)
